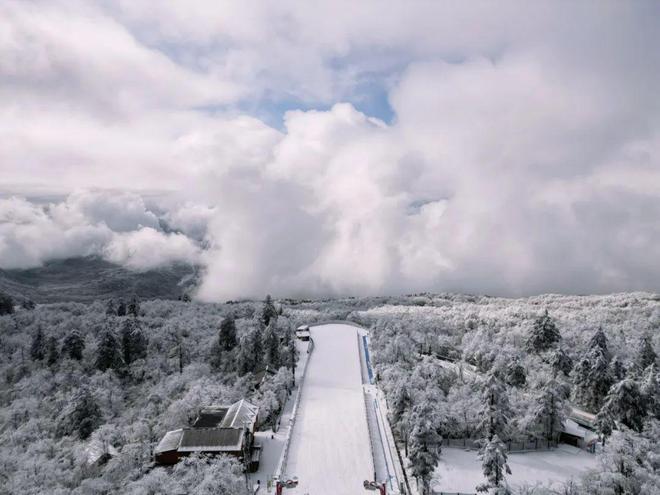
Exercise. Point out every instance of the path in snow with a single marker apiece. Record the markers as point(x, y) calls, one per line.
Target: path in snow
point(330, 447)
point(272, 447)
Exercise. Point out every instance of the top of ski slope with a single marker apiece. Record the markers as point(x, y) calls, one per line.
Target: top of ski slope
point(330, 447)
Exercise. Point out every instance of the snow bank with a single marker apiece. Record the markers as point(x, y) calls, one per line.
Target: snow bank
point(460, 470)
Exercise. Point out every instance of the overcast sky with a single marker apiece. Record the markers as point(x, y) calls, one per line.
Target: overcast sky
point(315, 148)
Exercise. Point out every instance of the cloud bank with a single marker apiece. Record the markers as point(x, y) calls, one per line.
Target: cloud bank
point(114, 226)
point(518, 150)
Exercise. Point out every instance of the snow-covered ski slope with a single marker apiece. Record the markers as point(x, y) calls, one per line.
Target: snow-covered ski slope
point(330, 450)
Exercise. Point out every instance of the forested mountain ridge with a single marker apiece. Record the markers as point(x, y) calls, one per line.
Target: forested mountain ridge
point(121, 374)
point(89, 278)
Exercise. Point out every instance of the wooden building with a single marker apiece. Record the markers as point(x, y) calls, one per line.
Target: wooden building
point(216, 430)
point(302, 332)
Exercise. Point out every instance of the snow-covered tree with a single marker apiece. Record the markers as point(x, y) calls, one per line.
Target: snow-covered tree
point(624, 465)
point(425, 445)
point(289, 350)
point(37, 348)
point(268, 311)
point(516, 376)
point(6, 304)
point(495, 409)
point(548, 412)
point(561, 362)
point(121, 308)
point(73, 345)
point(52, 351)
point(271, 345)
point(133, 307)
point(250, 350)
point(599, 341)
point(133, 341)
point(544, 334)
point(108, 354)
point(83, 418)
point(626, 404)
point(605, 424)
point(650, 389)
point(646, 355)
point(592, 376)
point(110, 308)
point(494, 463)
point(617, 369)
point(227, 335)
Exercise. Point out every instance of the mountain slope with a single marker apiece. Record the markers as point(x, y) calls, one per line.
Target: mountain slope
point(90, 278)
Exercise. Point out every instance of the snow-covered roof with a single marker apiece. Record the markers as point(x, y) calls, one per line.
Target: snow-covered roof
point(96, 449)
point(303, 328)
point(170, 441)
point(211, 440)
point(572, 428)
point(240, 414)
point(211, 416)
point(582, 417)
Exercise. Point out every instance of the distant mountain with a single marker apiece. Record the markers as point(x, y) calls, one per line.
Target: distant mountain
point(90, 278)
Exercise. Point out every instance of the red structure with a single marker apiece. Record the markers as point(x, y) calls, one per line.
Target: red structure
point(374, 485)
point(281, 485)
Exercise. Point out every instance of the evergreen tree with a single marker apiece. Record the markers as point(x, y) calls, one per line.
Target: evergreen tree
point(110, 309)
point(133, 341)
point(133, 307)
point(544, 334)
point(271, 345)
point(52, 352)
point(250, 350)
point(592, 376)
point(6, 304)
point(290, 357)
point(494, 463)
point(625, 404)
point(646, 356)
point(37, 347)
point(424, 449)
point(73, 345)
point(515, 374)
point(268, 311)
point(549, 411)
point(108, 354)
point(86, 415)
point(400, 402)
point(650, 389)
point(227, 335)
point(617, 369)
point(495, 411)
point(604, 424)
point(599, 341)
point(27, 304)
point(561, 362)
point(121, 308)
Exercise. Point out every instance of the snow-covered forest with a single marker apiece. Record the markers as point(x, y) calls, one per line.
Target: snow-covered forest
point(88, 390)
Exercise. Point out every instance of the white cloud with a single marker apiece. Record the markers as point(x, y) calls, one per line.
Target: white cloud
point(88, 223)
point(146, 248)
point(522, 157)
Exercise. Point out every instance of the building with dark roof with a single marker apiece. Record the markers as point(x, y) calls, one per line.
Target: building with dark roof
point(216, 430)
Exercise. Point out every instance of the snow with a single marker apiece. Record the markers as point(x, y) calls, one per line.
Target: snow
point(330, 446)
point(170, 441)
point(273, 443)
point(572, 428)
point(460, 470)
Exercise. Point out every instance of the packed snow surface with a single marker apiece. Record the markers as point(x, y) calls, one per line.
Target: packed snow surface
point(460, 470)
point(330, 452)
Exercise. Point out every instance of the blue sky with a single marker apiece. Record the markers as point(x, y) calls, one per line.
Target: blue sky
point(509, 148)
